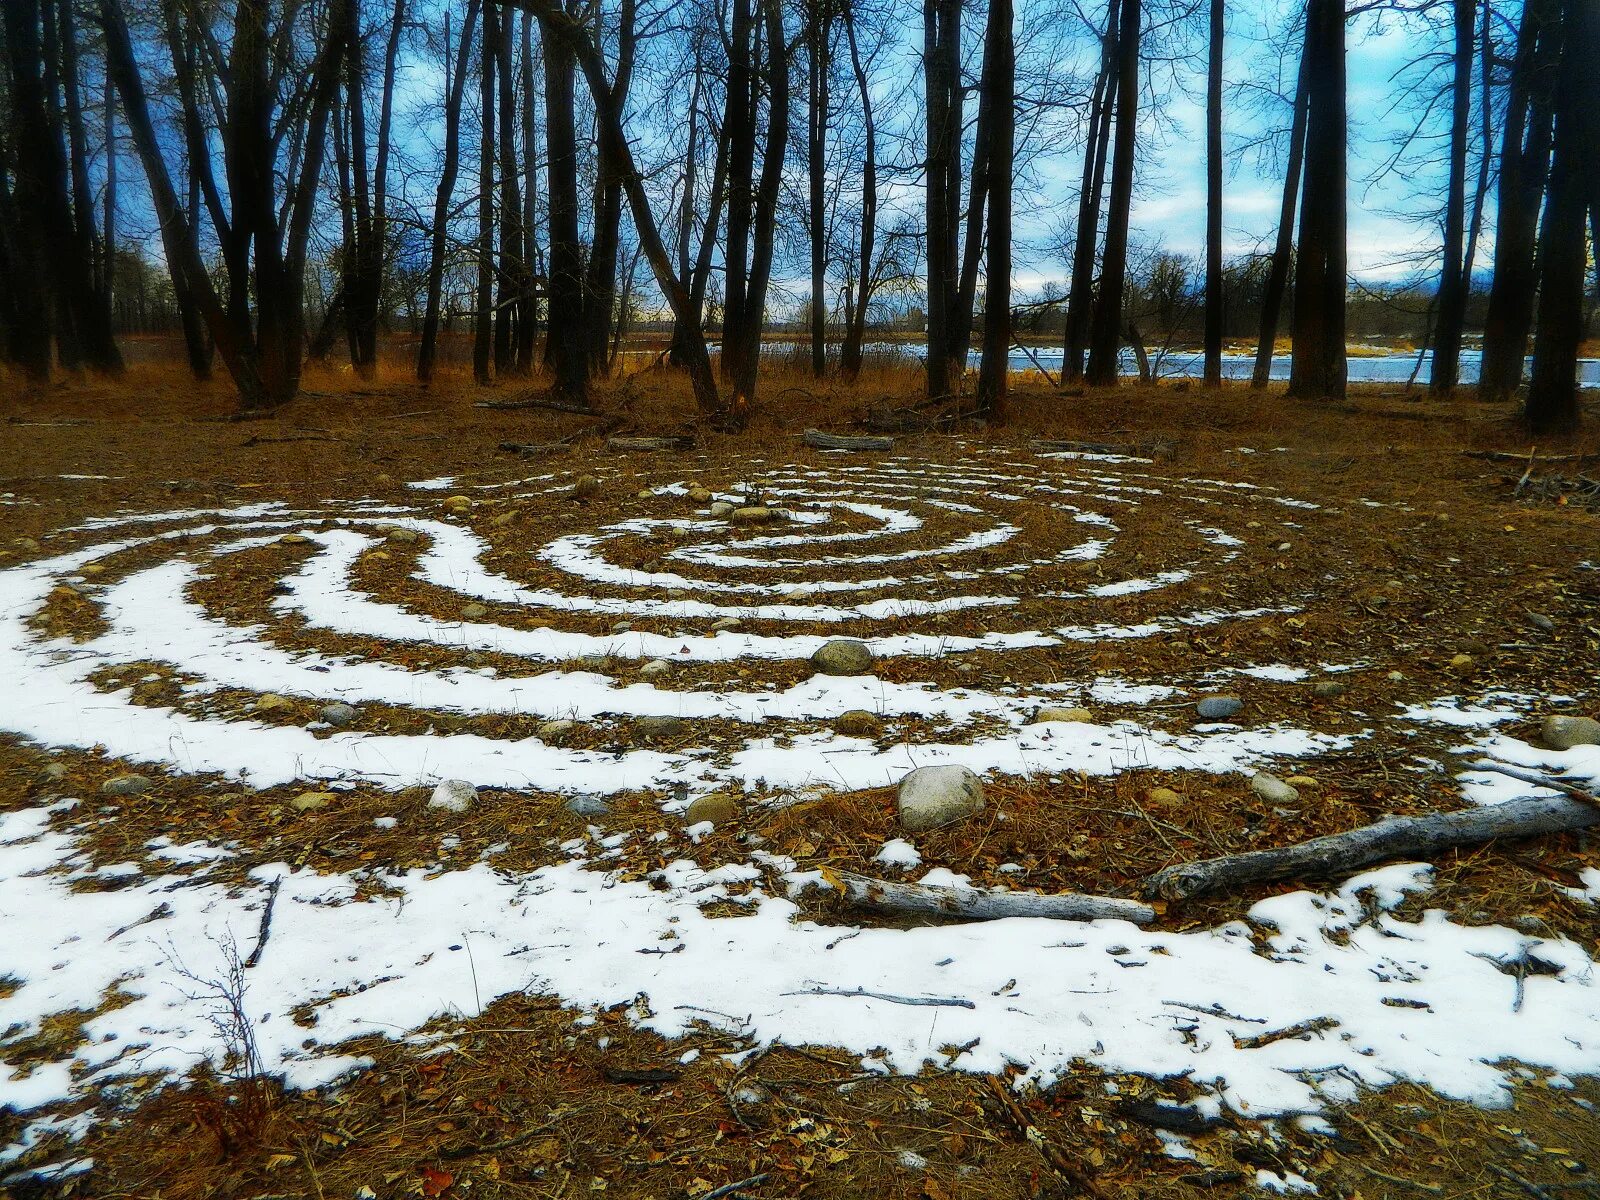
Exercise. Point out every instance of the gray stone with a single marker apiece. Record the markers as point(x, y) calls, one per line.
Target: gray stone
point(655, 669)
point(1272, 789)
point(753, 514)
point(622, 627)
point(586, 804)
point(1051, 713)
point(700, 495)
point(719, 808)
point(552, 730)
point(725, 624)
point(843, 656)
point(1327, 689)
point(858, 722)
point(471, 612)
point(1540, 621)
point(933, 796)
point(652, 728)
point(125, 785)
point(1563, 733)
point(721, 508)
point(338, 713)
point(453, 795)
point(1218, 707)
point(399, 533)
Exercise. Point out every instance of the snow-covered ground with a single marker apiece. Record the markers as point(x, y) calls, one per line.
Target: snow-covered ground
point(1390, 999)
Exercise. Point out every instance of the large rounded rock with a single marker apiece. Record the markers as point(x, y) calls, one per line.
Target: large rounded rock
point(453, 795)
point(933, 796)
point(1563, 733)
point(338, 713)
point(1273, 790)
point(719, 808)
point(1218, 707)
point(1051, 713)
point(125, 785)
point(843, 656)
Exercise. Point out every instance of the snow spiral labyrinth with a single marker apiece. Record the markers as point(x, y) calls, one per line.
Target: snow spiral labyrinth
point(196, 639)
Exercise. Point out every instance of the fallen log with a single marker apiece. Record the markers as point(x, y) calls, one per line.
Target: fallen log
point(1397, 837)
point(843, 441)
point(984, 904)
point(630, 444)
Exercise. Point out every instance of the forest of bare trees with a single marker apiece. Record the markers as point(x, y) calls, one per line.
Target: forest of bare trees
point(281, 180)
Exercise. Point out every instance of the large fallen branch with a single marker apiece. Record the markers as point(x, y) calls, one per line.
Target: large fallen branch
point(1398, 837)
point(983, 904)
point(628, 445)
point(845, 441)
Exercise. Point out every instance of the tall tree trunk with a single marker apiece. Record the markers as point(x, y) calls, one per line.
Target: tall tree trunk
point(600, 281)
point(739, 123)
point(770, 185)
point(1563, 251)
point(512, 286)
point(355, 186)
point(855, 335)
point(1107, 325)
point(108, 229)
point(999, 88)
point(1524, 167)
point(1283, 252)
point(1214, 297)
point(1453, 280)
point(565, 348)
point(1317, 368)
point(483, 309)
point(33, 296)
point(1080, 296)
point(527, 302)
point(455, 87)
point(818, 30)
point(180, 241)
point(941, 65)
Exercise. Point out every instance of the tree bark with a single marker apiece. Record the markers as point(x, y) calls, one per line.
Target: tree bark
point(512, 287)
point(1080, 294)
point(528, 301)
point(600, 281)
point(1214, 313)
point(999, 88)
point(564, 349)
point(455, 87)
point(1524, 168)
point(1107, 323)
point(941, 65)
point(1283, 252)
point(818, 31)
point(1318, 368)
point(855, 334)
point(985, 904)
point(1563, 240)
point(1453, 280)
point(483, 305)
point(739, 124)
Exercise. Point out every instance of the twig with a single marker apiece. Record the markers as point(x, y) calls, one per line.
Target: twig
point(729, 1189)
point(926, 1001)
point(1215, 1010)
point(1300, 1029)
point(266, 922)
point(157, 913)
point(1026, 1129)
point(526, 1135)
point(1034, 359)
point(1535, 778)
point(1431, 1188)
point(1527, 1185)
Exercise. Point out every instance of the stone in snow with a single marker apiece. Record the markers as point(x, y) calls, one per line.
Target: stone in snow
point(586, 804)
point(453, 795)
point(721, 508)
point(655, 669)
point(933, 796)
point(724, 624)
point(1272, 789)
point(1218, 707)
point(125, 785)
point(1051, 713)
point(843, 656)
point(551, 730)
point(338, 713)
point(1563, 733)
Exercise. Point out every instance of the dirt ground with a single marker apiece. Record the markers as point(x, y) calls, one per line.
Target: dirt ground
point(1454, 533)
